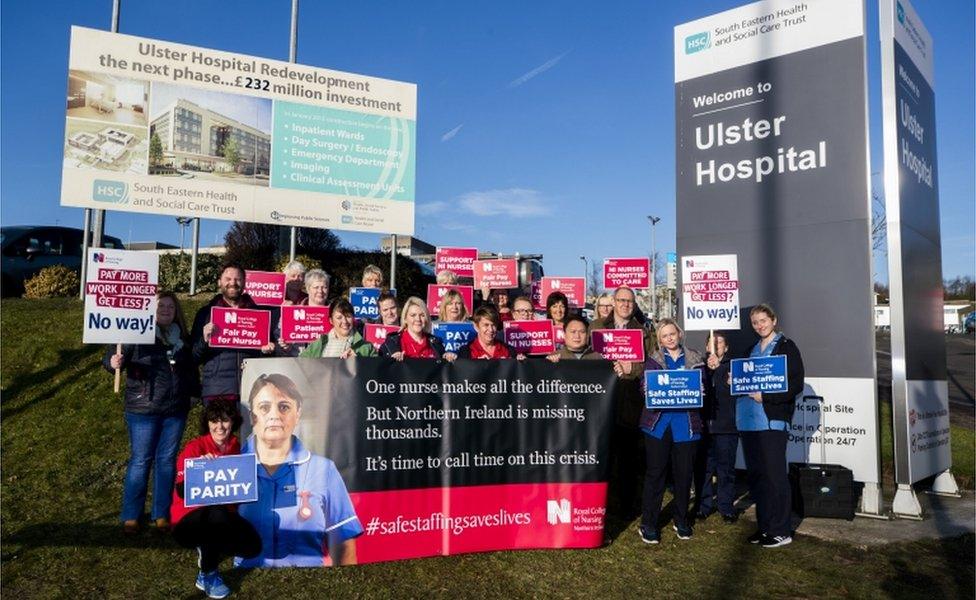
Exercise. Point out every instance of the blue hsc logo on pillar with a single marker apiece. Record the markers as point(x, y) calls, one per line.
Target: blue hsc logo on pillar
point(222, 480)
point(766, 374)
point(678, 388)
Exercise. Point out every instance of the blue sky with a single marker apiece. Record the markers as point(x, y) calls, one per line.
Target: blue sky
point(543, 126)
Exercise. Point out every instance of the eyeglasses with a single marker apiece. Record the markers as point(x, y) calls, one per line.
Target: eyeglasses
point(604, 305)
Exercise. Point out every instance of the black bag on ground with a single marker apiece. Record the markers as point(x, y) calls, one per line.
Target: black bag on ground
point(822, 490)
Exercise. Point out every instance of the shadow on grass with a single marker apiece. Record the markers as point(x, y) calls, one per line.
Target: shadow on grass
point(86, 534)
point(46, 381)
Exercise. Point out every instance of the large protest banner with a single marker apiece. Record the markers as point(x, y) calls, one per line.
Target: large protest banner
point(120, 297)
point(772, 166)
point(164, 128)
point(920, 395)
point(441, 458)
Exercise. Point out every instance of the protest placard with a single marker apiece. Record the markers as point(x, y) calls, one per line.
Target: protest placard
point(530, 337)
point(241, 328)
point(496, 274)
point(765, 374)
point(454, 335)
point(376, 334)
point(221, 480)
point(634, 273)
point(365, 302)
point(573, 287)
point(619, 344)
point(120, 297)
point(460, 261)
point(266, 288)
point(710, 292)
point(304, 324)
point(678, 388)
point(436, 292)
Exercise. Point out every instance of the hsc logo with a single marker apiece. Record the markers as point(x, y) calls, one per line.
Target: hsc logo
point(901, 12)
point(105, 190)
point(698, 42)
point(558, 511)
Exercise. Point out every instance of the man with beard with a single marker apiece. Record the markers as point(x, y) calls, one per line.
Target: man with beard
point(221, 376)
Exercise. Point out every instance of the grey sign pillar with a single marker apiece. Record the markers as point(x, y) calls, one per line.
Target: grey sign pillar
point(292, 57)
point(919, 387)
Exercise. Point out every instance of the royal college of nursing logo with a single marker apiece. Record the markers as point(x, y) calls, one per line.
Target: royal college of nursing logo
point(748, 367)
point(663, 379)
point(558, 511)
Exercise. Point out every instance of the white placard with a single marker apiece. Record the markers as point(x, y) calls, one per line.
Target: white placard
point(120, 297)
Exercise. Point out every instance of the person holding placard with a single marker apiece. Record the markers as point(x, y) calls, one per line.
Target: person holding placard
point(447, 277)
point(214, 531)
point(721, 438)
point(499, 299)
point(577, 346)
point(557, 309)
point(486, 345)
point(317, 283)
point(414, 339)
point(671, 439)
point(522, 309)
point(294, 283)
point(160, 378)
point(602, 307)
point(343, 341)
point(451, 308)
point(763, 421)
point(221, 367)
point(389, 310)
point(626, 455)
point(303, 514)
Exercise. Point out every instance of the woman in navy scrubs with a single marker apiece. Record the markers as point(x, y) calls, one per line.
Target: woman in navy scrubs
point(763, 421)
point(303, 513)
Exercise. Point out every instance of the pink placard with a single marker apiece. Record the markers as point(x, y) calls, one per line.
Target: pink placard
point(631, 272)
point(536, 291)
point(436, 292)
point(241, 328)
point(619, 344)
point(496, 274)
point(376, 334)
point(573, 287)
point(530, 337)
point(266, 288)
point(458, 260)
point(304, 324)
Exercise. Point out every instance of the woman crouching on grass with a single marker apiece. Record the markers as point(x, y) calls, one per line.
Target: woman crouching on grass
point(215, 531)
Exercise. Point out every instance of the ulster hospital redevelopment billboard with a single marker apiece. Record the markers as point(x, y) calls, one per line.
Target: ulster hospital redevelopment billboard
point(163, 128)
point(772, 166)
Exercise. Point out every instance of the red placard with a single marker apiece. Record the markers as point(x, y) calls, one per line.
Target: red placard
point(436, 292)
point(266, 288)
point(530, 337)
point(304, 324)
point(573, 287)
point(619, 344)
point(537, 302)
point(376, 334)
point(496, 274)
point(241, 328)
point(458, 260)
point(631, 272)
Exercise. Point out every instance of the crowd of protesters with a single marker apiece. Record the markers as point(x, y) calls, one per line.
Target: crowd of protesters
point(692, 450)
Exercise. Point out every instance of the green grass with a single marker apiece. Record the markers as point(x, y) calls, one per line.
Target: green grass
point(62, 458)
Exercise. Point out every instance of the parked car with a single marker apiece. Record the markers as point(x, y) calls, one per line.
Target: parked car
point(969, 323)
point(28, 249)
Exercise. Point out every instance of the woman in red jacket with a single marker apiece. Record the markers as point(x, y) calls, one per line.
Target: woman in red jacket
point(486, 346)
point(215, 531)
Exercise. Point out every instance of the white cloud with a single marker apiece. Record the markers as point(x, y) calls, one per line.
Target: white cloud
point(450, 134)
point(513, 203)
point(552, 62)
point(431, 208)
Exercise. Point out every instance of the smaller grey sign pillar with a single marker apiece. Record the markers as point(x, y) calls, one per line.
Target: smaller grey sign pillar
point(193, 256)
point(393, 255)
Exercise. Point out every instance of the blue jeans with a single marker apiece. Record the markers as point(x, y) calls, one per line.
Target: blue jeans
point(721, 463)
point(153, 439)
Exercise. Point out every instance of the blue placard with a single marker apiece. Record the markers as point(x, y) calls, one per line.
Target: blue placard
point(679, 388)
point(365, 302)
point(455, 335)
point(222, 480)
point(765, 374)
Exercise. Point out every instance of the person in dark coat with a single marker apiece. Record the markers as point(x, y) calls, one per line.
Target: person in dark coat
point(721, 437)
point(160, 378)
point(221, 367)
point(763, 421)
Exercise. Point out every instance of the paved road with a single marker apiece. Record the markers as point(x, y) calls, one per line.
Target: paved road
point(961, 362)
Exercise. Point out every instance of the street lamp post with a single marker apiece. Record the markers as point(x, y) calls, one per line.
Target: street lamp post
point(654, 221)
